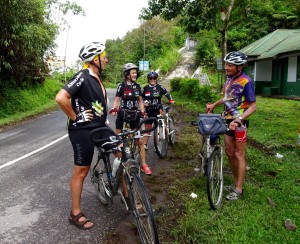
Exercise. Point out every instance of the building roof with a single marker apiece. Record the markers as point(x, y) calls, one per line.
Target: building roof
point(272, 45)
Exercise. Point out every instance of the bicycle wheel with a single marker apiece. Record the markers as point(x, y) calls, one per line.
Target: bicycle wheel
point(142, 209)
point(172, 131)
point(202, 157)
point(160, 141)
point(214, 185)
point(99, 179)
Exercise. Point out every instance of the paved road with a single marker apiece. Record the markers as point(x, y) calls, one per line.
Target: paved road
point(34, 186)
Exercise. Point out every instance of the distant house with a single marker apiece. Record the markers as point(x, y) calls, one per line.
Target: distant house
point(56, 63)
point(274, 63)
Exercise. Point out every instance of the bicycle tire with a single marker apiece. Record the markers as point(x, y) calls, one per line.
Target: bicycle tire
point(203, 156)
point(160, 142)
point(172, 131)
point(214, 185)
point(99, 180)
point(141, 209)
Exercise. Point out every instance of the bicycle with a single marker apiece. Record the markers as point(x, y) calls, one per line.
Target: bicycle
point(108, 187)
point(165, 133)
point(211, 159)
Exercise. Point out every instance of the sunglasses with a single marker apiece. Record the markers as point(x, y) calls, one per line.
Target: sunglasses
point(152, 79)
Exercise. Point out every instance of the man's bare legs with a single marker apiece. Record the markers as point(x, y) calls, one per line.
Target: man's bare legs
point(235, 152)
point(76, 185)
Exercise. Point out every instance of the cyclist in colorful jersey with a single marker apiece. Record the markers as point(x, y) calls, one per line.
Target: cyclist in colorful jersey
point(83, 99)
point(128, 102)
point(239, 103)
point(152, 94)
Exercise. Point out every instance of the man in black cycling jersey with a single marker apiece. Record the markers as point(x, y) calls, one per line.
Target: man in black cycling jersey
point(152, 94)
point(128, 106)
point(239, 103)
point(83, 99)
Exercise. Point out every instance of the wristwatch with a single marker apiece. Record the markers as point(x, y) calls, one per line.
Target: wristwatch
point(240, 118)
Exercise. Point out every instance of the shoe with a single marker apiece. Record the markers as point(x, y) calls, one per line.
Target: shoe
point(229, 188)
point(145, 168)
point(146, 147)
point(234, 195)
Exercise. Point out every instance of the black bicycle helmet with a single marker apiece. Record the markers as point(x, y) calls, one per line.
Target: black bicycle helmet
point(89, 51)
point(152, 74)
point(237, 58)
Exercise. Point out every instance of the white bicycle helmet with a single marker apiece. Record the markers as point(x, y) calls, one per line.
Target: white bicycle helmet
point(237, 58)
point(129, 66)
point(89, 51)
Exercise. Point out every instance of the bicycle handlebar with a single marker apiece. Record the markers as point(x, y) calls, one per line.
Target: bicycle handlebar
point(94, 132)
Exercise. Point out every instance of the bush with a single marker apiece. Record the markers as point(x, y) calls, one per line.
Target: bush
point(191, 89)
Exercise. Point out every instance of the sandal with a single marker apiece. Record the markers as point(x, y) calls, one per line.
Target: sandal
point(234, 195)
point(74, 220)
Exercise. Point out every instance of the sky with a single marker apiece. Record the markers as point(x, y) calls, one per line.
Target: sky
point(105, 19)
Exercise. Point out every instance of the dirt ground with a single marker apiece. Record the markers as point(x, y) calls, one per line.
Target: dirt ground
point(157, 187)
point(163, 173)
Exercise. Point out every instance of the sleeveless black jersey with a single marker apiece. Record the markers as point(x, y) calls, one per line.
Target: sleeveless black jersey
point(153, 94)
point(86, 93)
point(129, 95)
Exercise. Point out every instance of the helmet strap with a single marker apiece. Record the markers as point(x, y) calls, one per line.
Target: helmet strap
point(95, 65)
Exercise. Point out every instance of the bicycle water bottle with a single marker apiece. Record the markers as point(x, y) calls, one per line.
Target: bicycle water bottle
point(240, 134)
point(116, 164)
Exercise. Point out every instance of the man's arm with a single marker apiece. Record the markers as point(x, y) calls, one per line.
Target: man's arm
point(63, 100)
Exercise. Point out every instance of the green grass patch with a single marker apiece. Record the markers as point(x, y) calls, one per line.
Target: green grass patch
point(273, 129)
point(20, 103)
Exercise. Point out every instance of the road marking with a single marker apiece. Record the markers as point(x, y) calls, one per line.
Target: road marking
point(33, 152)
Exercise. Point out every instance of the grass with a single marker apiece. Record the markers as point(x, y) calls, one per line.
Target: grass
point(17, 103)
point(273, 128)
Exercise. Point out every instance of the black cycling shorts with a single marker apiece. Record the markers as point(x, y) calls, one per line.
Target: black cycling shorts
point(132, 123)
point(152, 113)
point(231, 132)
point(83, 146)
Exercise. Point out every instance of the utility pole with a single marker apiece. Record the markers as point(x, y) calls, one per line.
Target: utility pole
point(66, 53)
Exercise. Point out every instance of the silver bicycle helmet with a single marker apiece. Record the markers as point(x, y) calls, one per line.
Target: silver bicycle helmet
point(89, 51)
point(129, 66)
point(237, 58)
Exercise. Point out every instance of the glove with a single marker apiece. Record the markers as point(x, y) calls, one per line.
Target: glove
point(143, 114)
point(84, 116)
point(113, 110)
point(172, 101)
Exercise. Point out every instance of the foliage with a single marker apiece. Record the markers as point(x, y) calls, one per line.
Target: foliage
point(152, 40)
point(19, 103)
point(27, 34)
point(207, 50)
point(191, 88)
point(255, 219)
point(248, 21)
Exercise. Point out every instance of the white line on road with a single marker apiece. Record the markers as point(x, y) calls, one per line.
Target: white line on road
point(33, 152)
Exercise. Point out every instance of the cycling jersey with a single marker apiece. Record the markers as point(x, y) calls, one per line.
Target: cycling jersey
point(86, 93)
point(129, 95)
point(153, 95)
point(235, 90)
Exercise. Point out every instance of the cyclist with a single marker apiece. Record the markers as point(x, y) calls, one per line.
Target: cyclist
point(128, 106)
point(83, 99)
point(152, 94)
point(239, 103)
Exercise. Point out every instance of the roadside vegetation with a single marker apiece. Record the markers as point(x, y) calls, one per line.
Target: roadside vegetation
point(272, 187)
point(271, 194)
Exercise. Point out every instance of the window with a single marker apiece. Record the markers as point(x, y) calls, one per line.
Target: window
point(298, 69)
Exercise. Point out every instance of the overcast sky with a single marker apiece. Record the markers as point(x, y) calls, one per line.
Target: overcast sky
point(105, 19)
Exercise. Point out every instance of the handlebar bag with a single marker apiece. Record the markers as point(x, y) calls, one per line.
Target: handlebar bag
point(209, 124)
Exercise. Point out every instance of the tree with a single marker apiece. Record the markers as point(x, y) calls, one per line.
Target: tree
point(27, 34)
